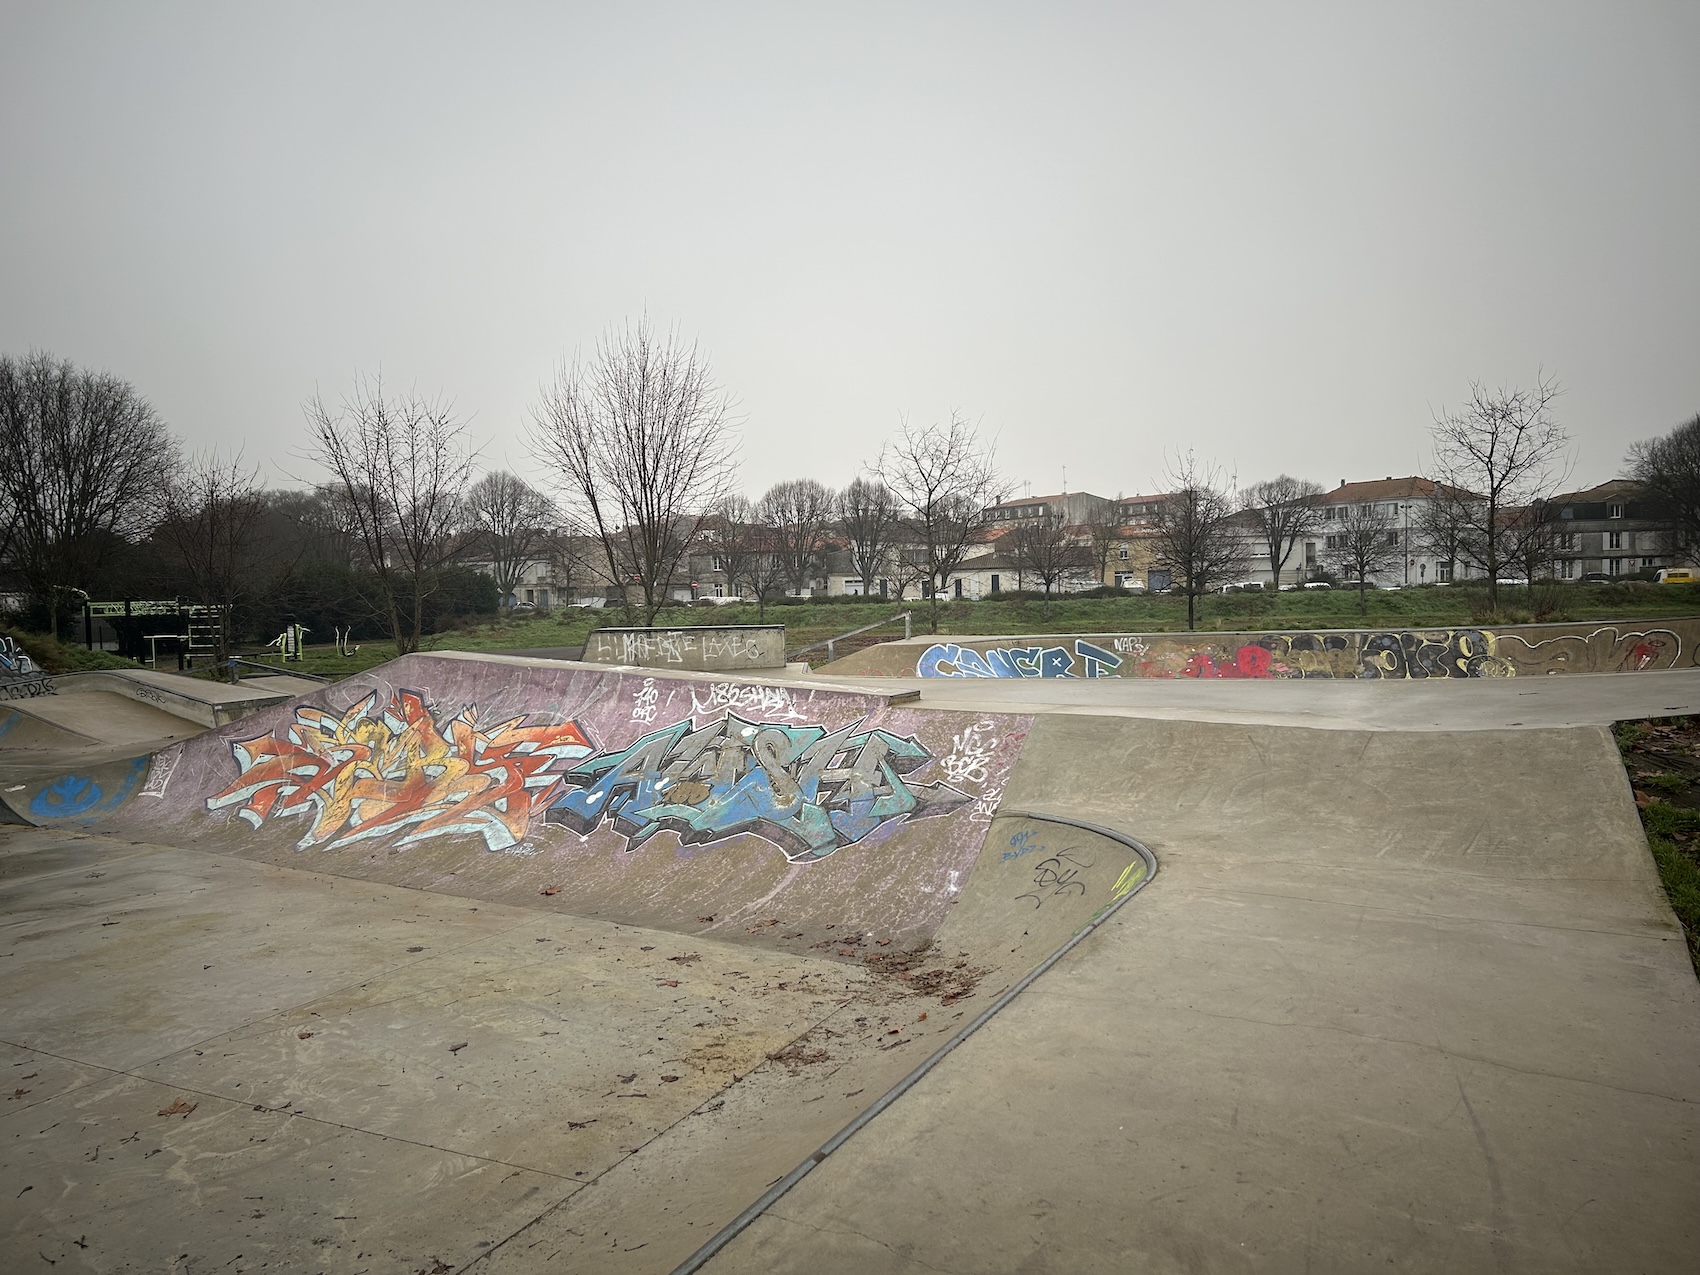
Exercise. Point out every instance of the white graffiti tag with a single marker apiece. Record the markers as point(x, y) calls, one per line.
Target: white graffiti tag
point(644, 702)
point(771, 701)
point(971, 754)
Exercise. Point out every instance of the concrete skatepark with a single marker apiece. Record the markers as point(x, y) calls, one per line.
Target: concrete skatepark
point(518, 965)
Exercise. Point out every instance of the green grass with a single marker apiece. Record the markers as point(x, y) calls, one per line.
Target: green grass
point(62, 657)
point(808, 622)
point(1662, 757)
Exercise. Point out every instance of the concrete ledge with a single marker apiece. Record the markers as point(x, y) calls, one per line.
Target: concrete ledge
point(708, 648)
point(1598, 646)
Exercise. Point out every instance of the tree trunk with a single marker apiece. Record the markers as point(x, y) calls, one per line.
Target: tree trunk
point(1363, 605)
point(1191, 610)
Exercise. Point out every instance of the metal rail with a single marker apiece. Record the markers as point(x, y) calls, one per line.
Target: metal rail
point(774, 1193)
point(273, 670)
point(908, 631)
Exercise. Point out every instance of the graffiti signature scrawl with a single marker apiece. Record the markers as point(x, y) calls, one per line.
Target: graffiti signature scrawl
point(807, 791)
point(385, 767)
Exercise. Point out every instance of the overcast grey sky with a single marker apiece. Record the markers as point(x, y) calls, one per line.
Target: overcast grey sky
point(1279, 234)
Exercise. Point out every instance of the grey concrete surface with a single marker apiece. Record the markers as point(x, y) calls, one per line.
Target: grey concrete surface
point(1405, 993)
point(1446, 705)
point(1409, 1002)
point(97, 717)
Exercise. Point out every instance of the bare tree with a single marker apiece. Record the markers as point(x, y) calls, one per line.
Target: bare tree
point(1104, 534)
point(1668, 470)
point(797, 515)
point(731, 531)
point(400, 468)
point(1443, 527)
point(1361, 543)
point(941, 476)
point(213, 526)
point(869, 517)
point(85, 464)
point(641, 437)
point(1284, 511)
point(1194, 536)
point(510, 526)
point(1504, 447)
point(1046, 549)
point(1531, 534)
point(764, 569)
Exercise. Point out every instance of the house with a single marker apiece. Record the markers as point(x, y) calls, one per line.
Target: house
point(1401, 504)
point(1609, 529)
point(1075, 508)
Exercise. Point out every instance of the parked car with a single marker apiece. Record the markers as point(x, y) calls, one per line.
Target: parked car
point(1678, 575)
point(1596, 577)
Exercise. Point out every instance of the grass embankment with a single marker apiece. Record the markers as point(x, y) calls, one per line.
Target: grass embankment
point(1663, 760)
point(53, 656)
point(809, 622)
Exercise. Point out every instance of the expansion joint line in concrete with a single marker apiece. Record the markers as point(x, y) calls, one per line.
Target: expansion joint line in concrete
point(697, 1260)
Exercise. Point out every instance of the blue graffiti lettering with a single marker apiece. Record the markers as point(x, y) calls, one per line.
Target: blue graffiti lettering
point(68, 795)
point(948, 659)
point(807, 791)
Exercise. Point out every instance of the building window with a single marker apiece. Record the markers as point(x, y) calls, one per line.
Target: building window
point(1614, 540)
point(996, 584)
point(1567, 540)
point(719, 565)
point(1614, 566)
point(1122, 553)
point(1614, 511)
point(1391, 538)
point(1567, 569)
point(957, 586)
point(719, 591)
point(1443, 572)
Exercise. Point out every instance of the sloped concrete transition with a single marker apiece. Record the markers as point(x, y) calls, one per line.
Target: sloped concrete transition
point(509, 965)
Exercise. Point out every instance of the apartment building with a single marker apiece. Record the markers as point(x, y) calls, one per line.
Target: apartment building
point(1608, 529)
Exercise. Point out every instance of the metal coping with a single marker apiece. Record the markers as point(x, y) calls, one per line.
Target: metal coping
point(697, 1260)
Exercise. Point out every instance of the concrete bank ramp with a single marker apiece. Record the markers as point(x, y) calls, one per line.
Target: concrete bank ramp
point(1397, 1001)
point(789, 815)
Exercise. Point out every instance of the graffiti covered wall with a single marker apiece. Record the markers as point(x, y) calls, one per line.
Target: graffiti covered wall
point(1528, 650)
point(644, 798)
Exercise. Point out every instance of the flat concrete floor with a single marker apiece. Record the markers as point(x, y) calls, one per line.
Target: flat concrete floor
point(219, 1065)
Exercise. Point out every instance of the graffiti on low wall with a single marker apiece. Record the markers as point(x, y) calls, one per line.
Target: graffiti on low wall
point(384, 766)
point(806, 790)
point(1399, 654)
point(1082, 659)
point(1608, 649)
point(713, 762)
point(13, 661)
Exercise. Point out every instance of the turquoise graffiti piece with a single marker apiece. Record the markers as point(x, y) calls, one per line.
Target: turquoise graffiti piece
point(67, 796)
point(807, 790)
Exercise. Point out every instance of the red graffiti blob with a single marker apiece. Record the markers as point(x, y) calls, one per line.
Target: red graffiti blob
point(379, 769)
point(1249, 661)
